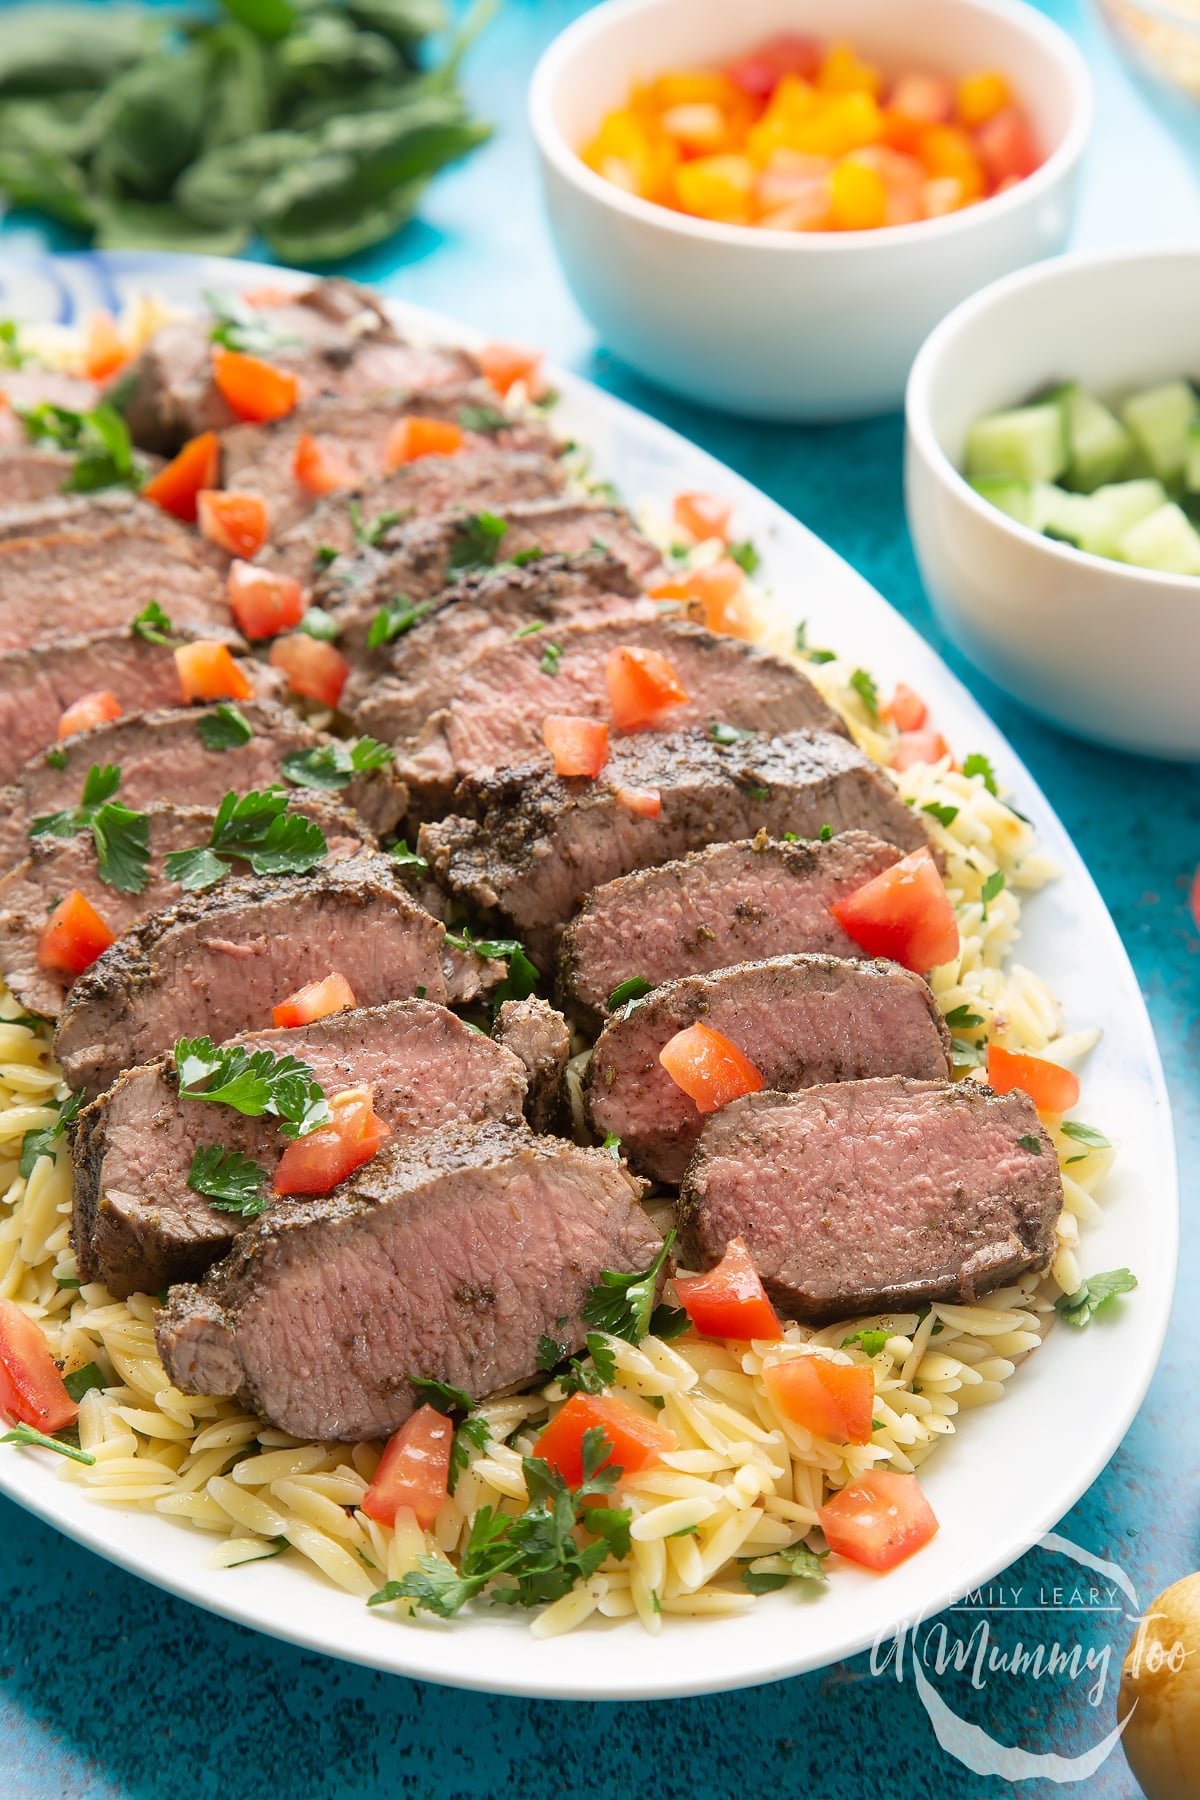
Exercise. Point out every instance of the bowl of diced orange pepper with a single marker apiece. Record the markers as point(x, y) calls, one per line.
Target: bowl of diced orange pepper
point(768, 206)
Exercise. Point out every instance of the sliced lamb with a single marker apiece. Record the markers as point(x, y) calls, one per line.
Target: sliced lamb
point(91, 579)
point(539, 1036)
point(538, 844)
point(495, 716)
point(448, 1257)
point(76, 512)
point(215, 964)
point(396, 691)
point(801, 1021)
point(335, 337)
point(728, 904)
point(139, 1226)
point(29, 387)
point(28, 474)
point(56, 865)
point(875, 1196)
point(37, 685)
point(162, 755)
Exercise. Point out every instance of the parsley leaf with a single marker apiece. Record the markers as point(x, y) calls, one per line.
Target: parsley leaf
point(872, 1341)
point(122, 840)
point(991, 887)
point(370, 533)
point(524, 631)
point(332, 766)
point(41, 1140)
point(11, 354)
point(961, 1018)
point(246, 328)
point(612, 1144)
point(978, 764)
point(965, 1055)
point(395, 617)
point(231, 1181)
point(728, 734)
point(1085, 1134)
point(522, 977)
point(258, 829)
point(225, 728)
point(550, 658)
point(482, 418)
point(404, 858)
point(253, 1082)
point(621, 1304)
point(1031, 1143)
point(574, 1376)
point(317, 623)
point(634, 987)
point(867, 692)
point(945, 815)
point(746, 556)
point(476, 544)
point(79, 1382)
point(825, 834)
point(1079, 1308)
point(98, 440)
point(800, 1564)
point(56, 758)
point(821, 656)
point(26, 1434)
point(153, 625)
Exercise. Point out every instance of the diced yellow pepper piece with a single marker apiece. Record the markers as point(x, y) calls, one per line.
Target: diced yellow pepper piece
point(947, 150)
point(858, 197)
point(845, 122)
point(841, 72)
point(717, 187)
point(981, 96)
point(688, 87)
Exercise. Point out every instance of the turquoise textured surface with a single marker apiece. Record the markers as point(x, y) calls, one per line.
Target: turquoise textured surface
point(112, 1691)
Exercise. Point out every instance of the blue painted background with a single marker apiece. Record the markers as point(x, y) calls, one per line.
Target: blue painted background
point(112, 1691)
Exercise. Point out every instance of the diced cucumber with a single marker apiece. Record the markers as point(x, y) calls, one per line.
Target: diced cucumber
point(1114, 509)
point(1098, 445)
point(1191, 473)
point(1159, 419)
point(1058, 514)
point(1165, 540)
point(1028, 443)
point(1012, 497)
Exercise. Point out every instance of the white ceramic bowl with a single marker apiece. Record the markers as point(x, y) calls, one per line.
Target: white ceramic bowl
point(793, 325)
point(1110, 651)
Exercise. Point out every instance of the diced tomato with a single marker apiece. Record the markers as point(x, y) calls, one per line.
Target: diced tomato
point(253, 390)
point(316, 1163)
point(236, 522)
point(320, 468)
point(718, 593)
point(1052, 1088)
point(207, 671)
point(506, 364)
point(918, 747)
point(642, 686)
point(906, 709)
point(176, 486)
point(710, 1070)
point(318, 671)
point(704, 515)
point(104, 349)
point(32, 1391)
point(578, 746)
point(879, 1520)
point(263, 603)
point(414, 437)
point(643, 803)
point(832, 1400)
point(730, 1301)
point(73, 936)
point(1007, 148)
point(787, 53)
point(316, 1000)
point(414, 1470)
point(634, 1440)
point(904, 913)
point(266, 296)
point(88, 711)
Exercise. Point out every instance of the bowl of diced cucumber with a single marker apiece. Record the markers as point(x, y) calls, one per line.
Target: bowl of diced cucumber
point(1053, 491)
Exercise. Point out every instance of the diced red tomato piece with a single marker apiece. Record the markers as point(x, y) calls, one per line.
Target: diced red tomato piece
point(643, 803)
point(1007, 148)
point(787, 53)
point(635, 1441)
point(718, 594)
point(704, 515)
point(906, 709)
point(578, 746)
point(104, 349)
point(316, 1163)
point(316, 670)
point(267, 296)
point(253, 390)
point(316, 1000)
point(832, 1400)
point(414, 1470)
point(709, 1068)
point(236, 522)
point(207, 671)
point(88, 711)
point(879, 1520)
point(1052, 1088)
point(918, 747)
point(321, 468)
point(262, 602)
point(642, 686)
point(414, 437)
point(506, 364)
point(32, 1391)
point(73, 936)
point(904, 913)
point(730, 1301)
point(176, 486)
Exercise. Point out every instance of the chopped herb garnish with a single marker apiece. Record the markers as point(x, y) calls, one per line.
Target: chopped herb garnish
point(332, 766)
point(231, 1181)
point(1084, 1134)
point(153, 625)
point(961, 1018)
point(98, 440)
point(68, 1282)
point(241, 327)
point(317, 623)
point(57, 759)
point(867, 692)
point(991, 887)
point(945, 815)
point(1080, 1308)
point(27, 1435)
point(11, 354)
point(524, 631)
point(825, 834)
point(746, 556)
point(404, 858)
point(728, 734)
point(621, 1304)
point(634, 987)
point(258, 829)
point(551, 656)
point(822, 656)
point(535, 553)
point(1031, 1143)
point(575, 1377)
point(477, 544)
point(371, 532)
point(100, 784)
point(252, 1082)
point(324, 554)
point(753, 789)
point(612, 1144)
point(79, 1382)
point(120, 835)
point(872, 1342)
point(42, 1139)
point(394, 618)
point(800, 1564)
point(965, 1055)
point(978, 764)
point(522, 977)
point(482, 418)
point(225, 728)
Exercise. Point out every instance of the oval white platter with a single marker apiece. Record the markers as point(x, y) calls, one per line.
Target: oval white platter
point(1015, 1468)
